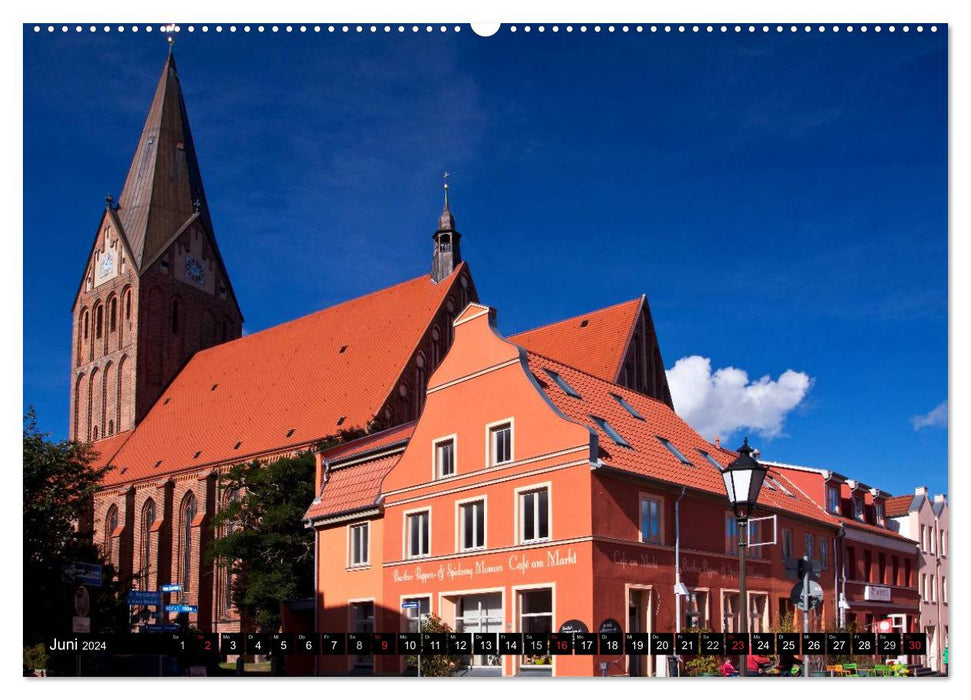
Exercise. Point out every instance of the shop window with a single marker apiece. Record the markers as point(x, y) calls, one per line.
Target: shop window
point(536, 616)
point(418, 544)
point(650, 520)
point(758, 612)
point(500, 444)
point(479, 614)
point(359, 535)
point(472, 525)
point(534, 515)
point(445, 458)
point(730, 609)
point(696, 610)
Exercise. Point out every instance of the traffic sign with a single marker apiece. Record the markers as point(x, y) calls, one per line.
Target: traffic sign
point(179, 608)
point(171, 588)
point(410, 605)
point(165, 627)
point(80, 572)
point(81, 625)
point(144, 598)
point(82, 601)
point(885, 625)
point(815, 596)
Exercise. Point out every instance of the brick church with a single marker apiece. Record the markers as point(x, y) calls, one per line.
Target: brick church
point(171, 394)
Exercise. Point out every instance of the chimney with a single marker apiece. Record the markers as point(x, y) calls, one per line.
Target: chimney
point(939, 498)
point(920, 491)
point(718, 441)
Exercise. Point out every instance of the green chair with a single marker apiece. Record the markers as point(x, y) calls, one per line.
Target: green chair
point(901, 670)
point(850, 670)
point(881, 670)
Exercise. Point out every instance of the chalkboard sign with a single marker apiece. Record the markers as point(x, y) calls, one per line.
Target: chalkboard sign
point(610, 626)
point(573, 626)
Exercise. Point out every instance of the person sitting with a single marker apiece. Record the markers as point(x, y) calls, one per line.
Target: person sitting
point(756, 665)
point(728, 669)
point(789, 665)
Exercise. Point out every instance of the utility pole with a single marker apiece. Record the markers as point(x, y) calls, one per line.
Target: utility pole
point(806, 571)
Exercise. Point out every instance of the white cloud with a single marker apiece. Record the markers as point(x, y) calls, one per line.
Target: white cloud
point(722, 402)
point(935, 418)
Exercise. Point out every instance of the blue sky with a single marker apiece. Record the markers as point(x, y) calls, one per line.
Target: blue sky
point(780, 198)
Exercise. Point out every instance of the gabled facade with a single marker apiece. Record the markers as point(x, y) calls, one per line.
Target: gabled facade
point(529, 494)
point(154, 289)
point(925, 521)
point(877, 565)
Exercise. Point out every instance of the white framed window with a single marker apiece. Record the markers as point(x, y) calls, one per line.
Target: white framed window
point(923, 538)
point(444, 457)
point(534, 514)
point(858, 508)
point(932, 537)
point(500, 443)
point(650, 519)
point(944, 589)
point(472, 525)
point(358, 544)
point(418, 534)
point(878, 513)
point(834, 500)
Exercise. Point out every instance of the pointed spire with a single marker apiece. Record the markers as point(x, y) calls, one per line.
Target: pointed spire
point(164, 182)
point(446, 222)
point(447, 254)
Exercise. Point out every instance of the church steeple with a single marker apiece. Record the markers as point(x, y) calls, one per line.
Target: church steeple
point(164, 184)
point(447, 253)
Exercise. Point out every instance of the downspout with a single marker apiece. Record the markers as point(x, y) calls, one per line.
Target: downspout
point(677, 561)
point(841, 574)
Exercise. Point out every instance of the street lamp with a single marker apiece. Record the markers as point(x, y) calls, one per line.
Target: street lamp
point(743, 482)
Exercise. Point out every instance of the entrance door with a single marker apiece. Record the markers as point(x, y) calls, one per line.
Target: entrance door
point(479, 613)
point(638, 614)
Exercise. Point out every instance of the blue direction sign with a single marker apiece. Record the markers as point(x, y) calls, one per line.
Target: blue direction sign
point(171, 587)
point(410, 604)
point(179, 608)
point(166, 627)
point(144, 598)
point(80, 572)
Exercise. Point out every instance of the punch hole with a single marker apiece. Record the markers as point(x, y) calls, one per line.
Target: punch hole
point(484, 29)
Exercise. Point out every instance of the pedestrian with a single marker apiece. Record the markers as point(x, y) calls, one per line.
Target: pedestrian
point(728, 669)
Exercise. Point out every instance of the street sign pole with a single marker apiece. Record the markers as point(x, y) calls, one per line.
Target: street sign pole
point(806, 571)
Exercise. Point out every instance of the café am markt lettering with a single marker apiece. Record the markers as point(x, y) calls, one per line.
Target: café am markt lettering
point(518, 562)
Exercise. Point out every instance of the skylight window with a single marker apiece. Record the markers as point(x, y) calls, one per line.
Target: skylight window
point(609, 429)
point(674, 450)
point(778, 486)
point(630, 409)
point(711, 460)
point(561, 382)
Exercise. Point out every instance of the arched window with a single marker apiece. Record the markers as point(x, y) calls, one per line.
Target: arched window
point(145, 546)
point(127, 304)
point(113, 315)
point(436, 348)
point(111, 523)
point(111, 427)
point(185, 540)
point(98, 321)
point(85, 324)
point(403, 400)
point(421, 379)
point(94, 433)
point(175, 315)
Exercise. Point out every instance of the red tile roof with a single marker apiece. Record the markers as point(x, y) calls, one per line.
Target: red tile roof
point(108, 448)
point(370, 443)
point(352, 488)
point(897, 506)
point(597, 348)
point(647, 456)
point(867, 527)
point(255, 390)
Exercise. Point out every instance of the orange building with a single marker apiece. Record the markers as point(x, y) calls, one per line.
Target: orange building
point(530, 493)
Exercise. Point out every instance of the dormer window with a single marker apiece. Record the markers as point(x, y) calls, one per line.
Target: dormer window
point(833, 502)
point(858, 510)
point(878, 514)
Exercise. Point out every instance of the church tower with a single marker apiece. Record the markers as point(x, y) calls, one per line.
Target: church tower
point(447, 254)
point(155, 289)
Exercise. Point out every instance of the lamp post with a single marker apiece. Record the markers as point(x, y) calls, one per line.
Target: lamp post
point(743, 482)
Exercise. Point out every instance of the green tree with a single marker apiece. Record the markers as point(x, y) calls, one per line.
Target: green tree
point(269, 551)
point(436, 665)
point(701, 665)
point(59, 484)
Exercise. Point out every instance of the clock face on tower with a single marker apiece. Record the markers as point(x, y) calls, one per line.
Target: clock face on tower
point(107, 262)
point(194, 271)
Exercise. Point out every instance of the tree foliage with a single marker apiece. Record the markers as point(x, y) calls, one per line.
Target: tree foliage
point(436, 665)
point(59, 484)
point(260, 535)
